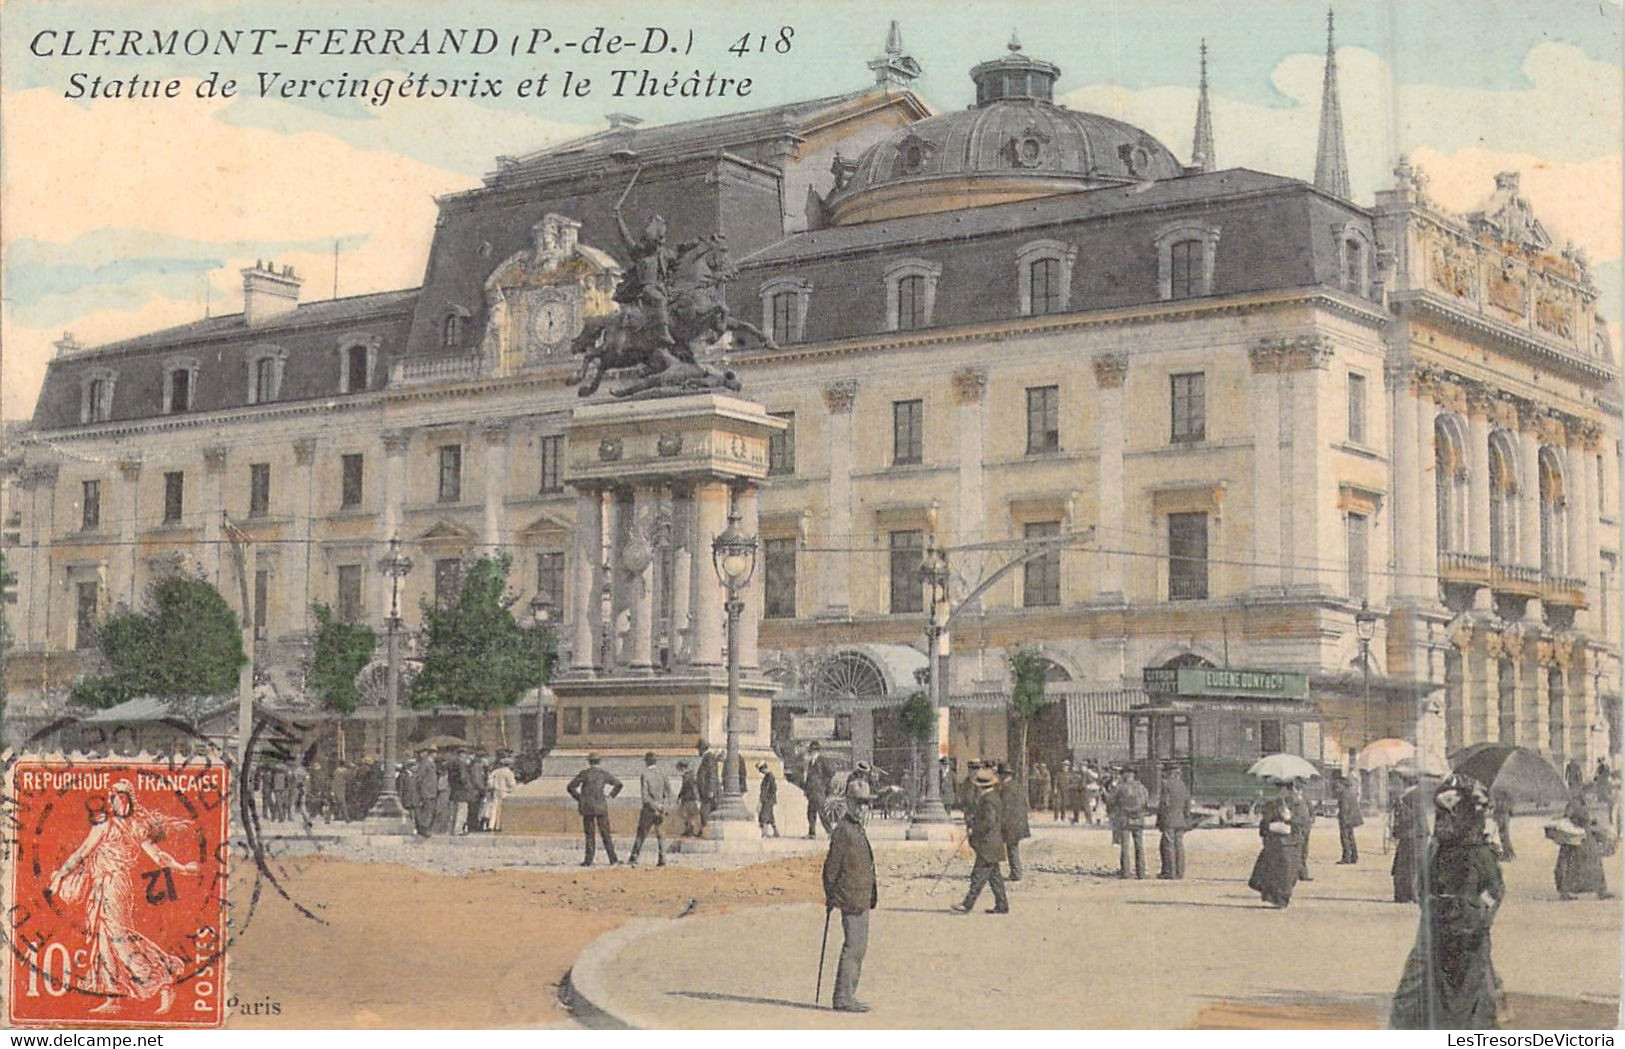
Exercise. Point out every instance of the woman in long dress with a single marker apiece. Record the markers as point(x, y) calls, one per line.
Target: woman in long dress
point(1279, 861)
point(1449, 981)
point(1580, 867)
point(123, 962)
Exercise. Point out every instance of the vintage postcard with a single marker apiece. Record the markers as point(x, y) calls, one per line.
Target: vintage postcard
point(812, 515)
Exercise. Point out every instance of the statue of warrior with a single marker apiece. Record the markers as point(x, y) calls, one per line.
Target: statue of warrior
point(645, 282)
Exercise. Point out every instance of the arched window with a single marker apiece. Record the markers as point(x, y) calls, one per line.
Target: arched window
point(451, 331)
point(1185, 259)
point(180, 384)
point(911, 293)
point(1188, 659)
point(1553, 515)
point(1503, 501)
point(1044, 277)
point(1450, 485)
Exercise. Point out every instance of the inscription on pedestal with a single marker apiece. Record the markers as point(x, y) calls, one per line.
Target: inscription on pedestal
point(631, 720)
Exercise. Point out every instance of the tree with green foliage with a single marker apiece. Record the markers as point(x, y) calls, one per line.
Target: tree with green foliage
point(918, 720)
point(342, 649)
point(1027, 696)
point(476, 654)
point(185, 642)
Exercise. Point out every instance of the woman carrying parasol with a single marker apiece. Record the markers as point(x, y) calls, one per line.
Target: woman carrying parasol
point(1280, 860)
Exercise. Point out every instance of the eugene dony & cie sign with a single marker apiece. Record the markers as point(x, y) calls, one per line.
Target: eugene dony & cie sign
point(1215, 681)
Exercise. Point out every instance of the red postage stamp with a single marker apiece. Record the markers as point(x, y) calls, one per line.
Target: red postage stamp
point(116, 894)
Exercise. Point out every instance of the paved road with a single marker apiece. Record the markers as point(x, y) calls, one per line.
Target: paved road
point(1084, 950)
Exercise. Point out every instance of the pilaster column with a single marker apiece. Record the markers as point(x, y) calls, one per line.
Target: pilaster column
point(1264, 405)
point(494, 473)
point(124, 576)
point(214, 505)
point(638, 573)
point(1405, 522)
point(396, 443)
point(1111, 370)
point(1583, 513)
point(615, 527)
point(1307, 359)
point(747, 501)
point(1528, 489)
point(705, 589)
point(1541, 663)
point(294, 562)
point(1478, 690)
point(970, 427)
point(1478, 484)
point(1579, 712)
point(839, 398)
point(1427, 497)
point(587, 617)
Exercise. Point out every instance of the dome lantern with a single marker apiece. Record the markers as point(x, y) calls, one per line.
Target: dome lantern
point(1015, 77)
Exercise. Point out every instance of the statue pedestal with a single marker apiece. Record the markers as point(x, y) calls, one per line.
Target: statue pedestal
point(622, 718)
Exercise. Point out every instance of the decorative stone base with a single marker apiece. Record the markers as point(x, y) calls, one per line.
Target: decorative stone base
point(625, 715)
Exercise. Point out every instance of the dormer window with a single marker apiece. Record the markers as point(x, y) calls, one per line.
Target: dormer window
point(358, 358)
point(784, 309)
point(265, 374)
point(1044, 277)
point(180, 385)
point(451, 332)
point(911, 294)
point(1185, 255)
point(96, 395)
point(1354, 262)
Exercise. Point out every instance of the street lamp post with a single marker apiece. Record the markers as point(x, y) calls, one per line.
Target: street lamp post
point(541, 611)
point(395, 566)
point(733, 554)
point(934, 574)
point(1365, 626)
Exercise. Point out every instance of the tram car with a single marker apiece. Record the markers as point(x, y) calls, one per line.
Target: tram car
point(1214, 724)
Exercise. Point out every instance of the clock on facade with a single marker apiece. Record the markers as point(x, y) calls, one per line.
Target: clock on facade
point(550, 324)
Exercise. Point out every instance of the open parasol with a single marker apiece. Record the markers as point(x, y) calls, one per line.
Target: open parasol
point(1384, 754)
point(1518, 771)
point(1284, 767)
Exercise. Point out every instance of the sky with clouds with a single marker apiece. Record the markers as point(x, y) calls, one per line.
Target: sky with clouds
point(118, 214)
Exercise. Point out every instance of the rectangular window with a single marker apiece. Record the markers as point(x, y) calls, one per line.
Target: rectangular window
point(552, 463)
point(353, 469)
point(1353, 266)
point(911, 303)
point(550, 578)
point(85, 617)
point(1358, 564)
point(90, 516)
point(1189, 404)
point(98, 400)
point(448, 581)
point(779, 566)
point(1043, 419)
point(174, 496)
point(262, 602)
point(451, 473)
point(355, 364)
point(1185, 269)
point(1044, 276)
point(1187, 557)
point(350, 607)
point(180, 390)
point(264, 379)
point(907, 592)
point(1041, 577)
point(1269, 737)
point(784, 316)
point(1356, 408)
point(1602, 488)
point(1182, 736)
point(908, 432)
point(259, 489)
point(781, 446)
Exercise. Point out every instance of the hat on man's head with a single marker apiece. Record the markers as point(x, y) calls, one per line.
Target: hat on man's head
point(699, 746)
point(649, 758)
point(863, 767)
point(1004, 769)
point(761, 766)
point(593, 759)
point(813, 745)
point(682, 765)
point(985, 778)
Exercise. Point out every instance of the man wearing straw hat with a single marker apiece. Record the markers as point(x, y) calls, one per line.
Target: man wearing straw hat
point(652, 816)
point(985, 825)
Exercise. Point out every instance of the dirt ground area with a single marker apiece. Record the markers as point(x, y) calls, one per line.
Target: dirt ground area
point(400, 947)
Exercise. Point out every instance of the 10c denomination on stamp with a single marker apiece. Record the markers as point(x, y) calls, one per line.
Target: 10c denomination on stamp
point(116, 894)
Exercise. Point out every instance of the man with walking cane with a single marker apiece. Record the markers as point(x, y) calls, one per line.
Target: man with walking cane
point(986, 827)
point(849, 887)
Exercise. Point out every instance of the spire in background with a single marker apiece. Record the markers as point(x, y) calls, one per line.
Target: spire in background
point(1202, 155)
point(895, 66)
point(1331, 157)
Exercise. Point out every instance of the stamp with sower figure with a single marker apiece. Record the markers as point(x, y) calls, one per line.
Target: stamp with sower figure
point(115, 911)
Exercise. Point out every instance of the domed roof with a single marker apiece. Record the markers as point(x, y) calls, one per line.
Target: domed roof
point(1015, 143)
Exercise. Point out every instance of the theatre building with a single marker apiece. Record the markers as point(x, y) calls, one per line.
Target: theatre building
point(1156, 411)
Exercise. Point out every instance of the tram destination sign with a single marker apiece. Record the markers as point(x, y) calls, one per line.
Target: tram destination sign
point(1215, 681)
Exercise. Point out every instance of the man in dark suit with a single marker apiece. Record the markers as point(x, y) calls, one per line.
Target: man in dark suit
point(652, 816)
point(709, 780)
point(425, 784)
point(688, 801)
point(1303, 820)
point(985, 824)
point(1126, 803)
point(588, 791)
point(815, 784)
point(1173, 820)
point(849, 887)
point(1348, 817)
point(766, 799)
point(1013, 818)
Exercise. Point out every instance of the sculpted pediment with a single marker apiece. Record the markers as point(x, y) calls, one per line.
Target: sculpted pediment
point(539, 299)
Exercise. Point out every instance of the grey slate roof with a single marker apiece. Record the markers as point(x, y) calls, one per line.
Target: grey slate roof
point(324, 312)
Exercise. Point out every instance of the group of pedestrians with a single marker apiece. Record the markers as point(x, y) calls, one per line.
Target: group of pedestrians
point(1067, 789)
point(457, 792)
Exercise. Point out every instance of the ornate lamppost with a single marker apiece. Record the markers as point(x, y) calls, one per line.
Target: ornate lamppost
point(733, 555)
point(541, 611)
point(1365, 627)
point(396, 566)
point(934, 576)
